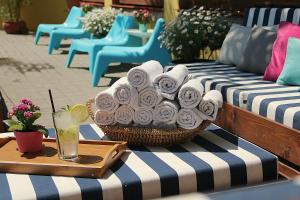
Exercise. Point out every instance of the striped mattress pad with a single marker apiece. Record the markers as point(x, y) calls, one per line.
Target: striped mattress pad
point(213, 160)
point(249, 91)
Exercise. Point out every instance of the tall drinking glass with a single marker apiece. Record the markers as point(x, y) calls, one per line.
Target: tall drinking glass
point(67, 134)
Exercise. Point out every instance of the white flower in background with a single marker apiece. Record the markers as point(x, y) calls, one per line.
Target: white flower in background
point(179, 47)
point(184, 31)
point(99, 21)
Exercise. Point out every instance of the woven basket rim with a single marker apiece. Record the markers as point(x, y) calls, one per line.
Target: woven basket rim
point(147, 135)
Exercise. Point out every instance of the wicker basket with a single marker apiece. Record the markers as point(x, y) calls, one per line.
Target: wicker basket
point(147, 136)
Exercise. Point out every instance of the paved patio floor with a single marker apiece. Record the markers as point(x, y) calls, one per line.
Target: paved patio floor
point(26, 70)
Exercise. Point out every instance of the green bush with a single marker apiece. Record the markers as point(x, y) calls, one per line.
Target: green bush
point(10, 10)
point(194, 30)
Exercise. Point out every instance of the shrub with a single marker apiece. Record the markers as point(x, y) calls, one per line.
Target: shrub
point(194, 30)
point(10, 9)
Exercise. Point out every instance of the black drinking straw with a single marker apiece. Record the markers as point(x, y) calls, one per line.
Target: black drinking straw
point(53, 111)
point(51, 99)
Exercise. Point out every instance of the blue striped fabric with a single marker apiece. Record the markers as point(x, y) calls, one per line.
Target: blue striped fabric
point(270, 16)
point(213, 160)
point(282, 190)
point(276, 102)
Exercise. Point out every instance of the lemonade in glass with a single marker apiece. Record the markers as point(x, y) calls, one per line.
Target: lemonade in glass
point(66, 123)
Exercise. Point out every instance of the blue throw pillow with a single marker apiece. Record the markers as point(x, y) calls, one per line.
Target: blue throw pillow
point(290, 74)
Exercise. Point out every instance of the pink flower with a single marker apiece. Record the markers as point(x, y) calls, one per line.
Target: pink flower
point(22, 107)
point(9, 115)
point(28, 114)
point(146, 14)
point(14, 109)
point(26, 101)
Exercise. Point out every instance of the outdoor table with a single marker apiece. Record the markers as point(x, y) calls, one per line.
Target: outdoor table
point(143, 35)
point(213, 160)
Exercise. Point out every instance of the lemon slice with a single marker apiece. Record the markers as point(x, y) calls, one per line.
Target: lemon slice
point(79, 112)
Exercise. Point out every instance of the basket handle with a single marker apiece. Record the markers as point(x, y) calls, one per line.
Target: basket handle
point(89, 104)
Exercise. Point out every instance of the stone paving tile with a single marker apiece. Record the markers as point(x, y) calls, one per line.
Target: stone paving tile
point(26, 70)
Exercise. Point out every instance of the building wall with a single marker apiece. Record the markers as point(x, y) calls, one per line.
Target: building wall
point(44, 11)
point(171, 8)
point(55, 11)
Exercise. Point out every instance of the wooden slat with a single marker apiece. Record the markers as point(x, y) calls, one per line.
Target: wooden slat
point(93, 1)
point(270, 135)
point(97, 3)
point(136, 7)
point(151, 3)
point(286, 171)
point(237, 5)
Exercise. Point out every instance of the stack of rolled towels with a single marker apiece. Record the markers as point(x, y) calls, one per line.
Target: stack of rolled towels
point(149, 97)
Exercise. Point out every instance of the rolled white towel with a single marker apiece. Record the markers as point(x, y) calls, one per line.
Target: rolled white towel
point(210, 104)
point(124, 114)
point(105, 100)
point(125, 93)
point(189, 118)
point(143, 75)
point(149, 97)
point(104, 118)
point(143, 116)
point(165, 113)
point(190, 94)
point(169, 83)
point(216, 95)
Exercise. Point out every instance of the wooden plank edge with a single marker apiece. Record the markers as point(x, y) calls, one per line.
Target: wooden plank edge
point(270, 135)
point(156, 9)
point(287, 171)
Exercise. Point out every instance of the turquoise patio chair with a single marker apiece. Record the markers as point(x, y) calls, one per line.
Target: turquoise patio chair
point(150, 51)
point(72, 21)
point(117, 36)
point(57, 35)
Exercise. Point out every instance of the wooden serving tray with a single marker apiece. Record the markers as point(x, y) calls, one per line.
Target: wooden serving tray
point(95, 157)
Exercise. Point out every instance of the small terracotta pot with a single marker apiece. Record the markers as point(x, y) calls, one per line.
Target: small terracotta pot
point(29, 141)
point(15, 27)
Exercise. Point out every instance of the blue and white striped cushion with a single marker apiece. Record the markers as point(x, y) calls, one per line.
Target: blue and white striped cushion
point(270, 16)
point(246, 90)
point(215, 159)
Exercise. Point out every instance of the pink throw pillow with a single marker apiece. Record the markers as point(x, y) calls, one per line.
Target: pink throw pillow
point(286, 30)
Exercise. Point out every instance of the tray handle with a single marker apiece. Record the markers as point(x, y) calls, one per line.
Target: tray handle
point(114, 153)
point(89, 105)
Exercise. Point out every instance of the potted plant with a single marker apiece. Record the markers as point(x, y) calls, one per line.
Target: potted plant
point(98, 21)
point(194, 30)
point(10, 14)
point(143, 17)
point(21, 120)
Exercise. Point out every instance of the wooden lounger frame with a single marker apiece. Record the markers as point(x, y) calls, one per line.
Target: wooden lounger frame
point(270, 135)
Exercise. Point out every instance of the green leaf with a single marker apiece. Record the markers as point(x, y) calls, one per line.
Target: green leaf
point(35, 116)
point(41, 129)
point(13, 125)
